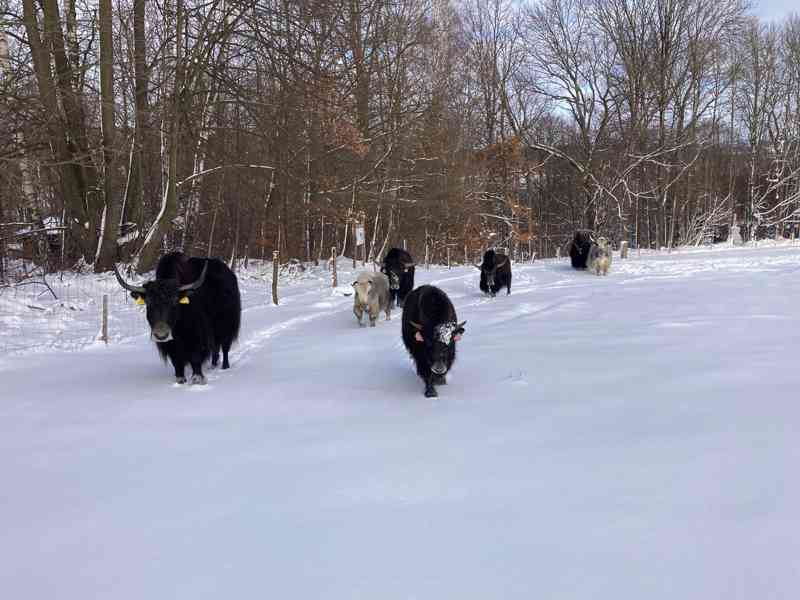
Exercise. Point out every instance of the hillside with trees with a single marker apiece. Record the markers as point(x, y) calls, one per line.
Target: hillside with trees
point(235, 128)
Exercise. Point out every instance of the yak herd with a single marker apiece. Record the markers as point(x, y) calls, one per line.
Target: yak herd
point(194, 308)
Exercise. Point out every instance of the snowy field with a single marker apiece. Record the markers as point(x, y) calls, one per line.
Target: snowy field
point(630, 437)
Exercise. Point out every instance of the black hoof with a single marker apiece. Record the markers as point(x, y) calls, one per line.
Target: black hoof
point(430, 392)
point(198, 379)
point(180, 380)
point(226, 365)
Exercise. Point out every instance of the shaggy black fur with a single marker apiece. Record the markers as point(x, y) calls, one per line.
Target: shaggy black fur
point(428, 314)
point(495, 273)
point(398, 266)
point(579, 248)
point(200, 329)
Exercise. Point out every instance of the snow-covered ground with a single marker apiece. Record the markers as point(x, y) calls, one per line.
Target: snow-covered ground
point(629, 437)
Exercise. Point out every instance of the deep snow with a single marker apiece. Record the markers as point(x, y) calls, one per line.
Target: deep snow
point(628, 437)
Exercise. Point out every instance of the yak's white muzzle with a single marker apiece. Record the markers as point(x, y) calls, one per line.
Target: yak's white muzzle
point(161, 334)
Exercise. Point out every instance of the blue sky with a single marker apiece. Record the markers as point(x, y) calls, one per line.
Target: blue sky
point(772, 9)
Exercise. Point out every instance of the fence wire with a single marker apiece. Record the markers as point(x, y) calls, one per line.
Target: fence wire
point(62, 311)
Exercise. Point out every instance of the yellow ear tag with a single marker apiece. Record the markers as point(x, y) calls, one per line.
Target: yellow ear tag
point(140, 300)
point(184, 300)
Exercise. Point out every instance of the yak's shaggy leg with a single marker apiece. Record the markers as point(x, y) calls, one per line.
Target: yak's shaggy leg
point(197, 369)
point(429, 378)
point(179, 367)
point(430, 391)
point(359, 313)
point(226, 347)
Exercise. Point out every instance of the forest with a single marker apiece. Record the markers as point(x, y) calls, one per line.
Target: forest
point(238, 128)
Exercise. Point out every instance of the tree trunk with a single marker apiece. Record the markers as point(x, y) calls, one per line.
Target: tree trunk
point(132, 203)
point(109, 230)
point(148, 254)
point(63, 132)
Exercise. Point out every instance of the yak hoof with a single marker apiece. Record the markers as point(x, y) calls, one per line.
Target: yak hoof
point(430, 392)
point(180, 380)
point(226, 365)
point(198, 379)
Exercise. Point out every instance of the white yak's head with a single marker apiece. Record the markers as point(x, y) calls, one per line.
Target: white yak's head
point(362, 285)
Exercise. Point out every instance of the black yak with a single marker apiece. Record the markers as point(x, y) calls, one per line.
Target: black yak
point(398, 266)
point(194, 311)
point(495, 273)
point(430, 332)
point(579, 248)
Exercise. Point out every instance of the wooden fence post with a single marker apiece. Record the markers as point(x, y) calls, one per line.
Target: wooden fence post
point(364, 229)
point(448, 258)
point(355, 241)
point(333, 267)
point(104, 321)
point(275, 265)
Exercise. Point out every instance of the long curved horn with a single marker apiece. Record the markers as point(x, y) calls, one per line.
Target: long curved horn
point(497, 266)
point(197, 282)
point(126, 285)
point(409, 265)
point(479, 267)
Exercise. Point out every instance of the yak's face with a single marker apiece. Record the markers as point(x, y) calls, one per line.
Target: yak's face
point(490, 265)
point(163, 299)
point(489, 273)
point(395, 271)
point(439, 346)
point(488, 268)
point(362, 286)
